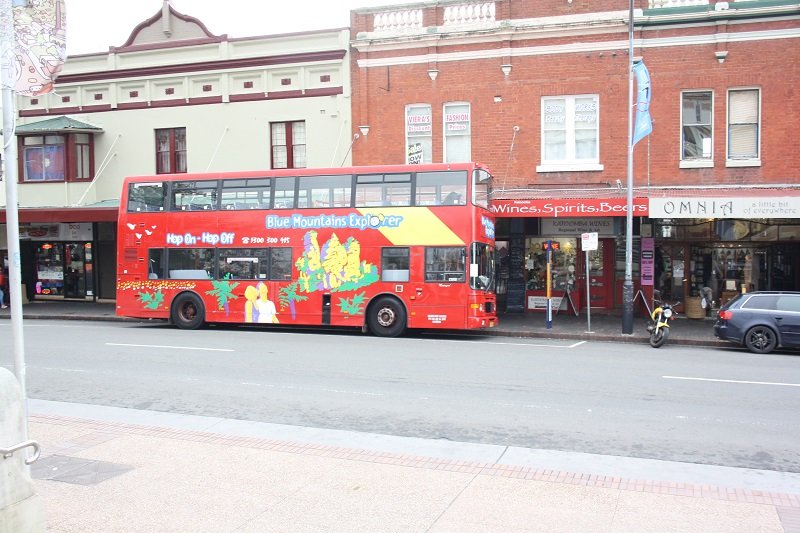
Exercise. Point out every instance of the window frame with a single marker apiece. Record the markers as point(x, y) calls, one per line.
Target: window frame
point(743, 161)
point(71, 154)
point(174, 155)
point(400, 258)
point(446, 135)
point(571, 161)
point(437, 269)
point(425, 133)
point(294, 152)
point(696, 162)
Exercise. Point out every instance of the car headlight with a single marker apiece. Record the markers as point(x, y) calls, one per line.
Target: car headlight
point(667, 313)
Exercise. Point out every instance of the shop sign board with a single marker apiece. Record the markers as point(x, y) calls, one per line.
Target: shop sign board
point(72, 231)
point(648, 261)
point(577, 226)
point(540, 302)
point(726, 207)
point(568, 207)
point(589, 241)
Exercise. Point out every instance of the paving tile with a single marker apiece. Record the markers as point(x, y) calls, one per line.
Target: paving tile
point(644, 512)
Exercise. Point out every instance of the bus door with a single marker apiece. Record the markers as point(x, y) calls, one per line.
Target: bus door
point(439, 300)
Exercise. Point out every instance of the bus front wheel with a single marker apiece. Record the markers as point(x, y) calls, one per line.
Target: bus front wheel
point(188, 311)
point(387, 317)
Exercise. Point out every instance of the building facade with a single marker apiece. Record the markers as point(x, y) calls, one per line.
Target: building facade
point(542, 92)
point(172, 99)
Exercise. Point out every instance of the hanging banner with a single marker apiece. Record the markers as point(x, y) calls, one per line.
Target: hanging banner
point(644, 125)
point(40, 50)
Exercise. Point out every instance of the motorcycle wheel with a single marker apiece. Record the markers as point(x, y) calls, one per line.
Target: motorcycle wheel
point(658, 337)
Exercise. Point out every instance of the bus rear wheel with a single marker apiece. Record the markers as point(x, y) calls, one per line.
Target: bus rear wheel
point(387, 317)
point(188, 311)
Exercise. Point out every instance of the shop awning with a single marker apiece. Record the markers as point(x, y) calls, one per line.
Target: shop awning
point(745, 202)
point(729, 201)
point(95, 213)
point(62, 124)
point(578, 201)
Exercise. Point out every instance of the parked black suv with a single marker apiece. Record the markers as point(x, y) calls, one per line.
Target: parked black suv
point(761, 320)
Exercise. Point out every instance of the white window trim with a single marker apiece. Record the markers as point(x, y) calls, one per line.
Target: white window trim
point(444, 128)
point(405, 127)
point(573, 165)
point(753, 162)
point(736, 163)
point(699, 162)
point(570, 167)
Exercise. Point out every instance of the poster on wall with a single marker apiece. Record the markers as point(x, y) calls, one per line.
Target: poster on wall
point(415, 154)
point(648, 261)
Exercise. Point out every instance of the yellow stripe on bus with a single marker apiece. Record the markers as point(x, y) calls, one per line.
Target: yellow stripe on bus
point(419, 226)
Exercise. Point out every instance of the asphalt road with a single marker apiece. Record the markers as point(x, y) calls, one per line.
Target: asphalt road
point(692, 404)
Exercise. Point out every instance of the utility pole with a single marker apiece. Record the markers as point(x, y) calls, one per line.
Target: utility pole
point(12, 212)
point(627, 286)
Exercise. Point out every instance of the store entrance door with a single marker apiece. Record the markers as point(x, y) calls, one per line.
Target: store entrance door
point(75, 270)
point(599, 284)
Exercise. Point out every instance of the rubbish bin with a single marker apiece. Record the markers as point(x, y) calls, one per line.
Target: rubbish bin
point(694, 309)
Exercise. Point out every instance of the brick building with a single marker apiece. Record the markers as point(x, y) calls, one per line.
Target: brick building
point(539, 91)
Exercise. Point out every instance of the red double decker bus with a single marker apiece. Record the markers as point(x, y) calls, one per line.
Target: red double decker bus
point(381, 248)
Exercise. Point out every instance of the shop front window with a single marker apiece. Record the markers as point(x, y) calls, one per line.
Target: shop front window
point(562, 268)
point(50, 269)
point(670, 270)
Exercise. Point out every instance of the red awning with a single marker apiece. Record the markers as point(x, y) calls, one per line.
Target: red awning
point(65, 214)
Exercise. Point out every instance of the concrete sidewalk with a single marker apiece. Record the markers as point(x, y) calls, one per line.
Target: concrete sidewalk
point(110, 469)
point(565, 325)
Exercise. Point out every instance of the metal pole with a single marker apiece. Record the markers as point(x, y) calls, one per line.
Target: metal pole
point(548, 305)
point(588, 296)
point(12, 214)
point(627, 287)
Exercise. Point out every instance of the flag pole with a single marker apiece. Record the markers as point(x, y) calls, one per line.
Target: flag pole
point(627, 286)
point(12, 211)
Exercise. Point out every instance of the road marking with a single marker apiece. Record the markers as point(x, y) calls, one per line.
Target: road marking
point(538, 345)
point(734, 381)
point(171, 347)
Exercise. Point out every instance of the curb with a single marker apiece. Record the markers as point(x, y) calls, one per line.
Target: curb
point(586, 336)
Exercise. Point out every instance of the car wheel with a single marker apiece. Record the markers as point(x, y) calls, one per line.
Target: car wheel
point(188, 311)
point(387, 317)
point(761, 339)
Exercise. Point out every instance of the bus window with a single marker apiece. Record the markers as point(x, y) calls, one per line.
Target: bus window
point(481, 188)
point(243, 263)
point(383, 189)
point(281, 264)
point(283, 193)
point(155, 269)
point(194, 195)
point(245, 194)
point(191, 263)
point(442, 188)
point(445, 263)
point(324, 191)
point(146, 197)
point(394, 264)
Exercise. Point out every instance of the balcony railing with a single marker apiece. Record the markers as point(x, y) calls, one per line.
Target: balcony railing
point(469, 14)
point(398, 21)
